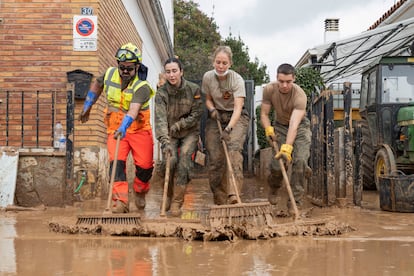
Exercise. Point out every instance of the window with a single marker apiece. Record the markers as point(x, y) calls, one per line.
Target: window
point(397, 84)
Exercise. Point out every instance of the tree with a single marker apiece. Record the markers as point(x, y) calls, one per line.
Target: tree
point(195, 38)
point(241, 62)
point(260, 132)
point(311, 82)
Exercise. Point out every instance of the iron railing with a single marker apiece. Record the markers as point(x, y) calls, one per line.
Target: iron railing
point(28, 118)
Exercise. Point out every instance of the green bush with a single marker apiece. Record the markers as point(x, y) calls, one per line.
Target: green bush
point(261, 137)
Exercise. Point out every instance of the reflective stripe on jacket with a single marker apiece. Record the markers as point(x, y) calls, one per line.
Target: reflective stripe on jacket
point(119, 102)
point(114, 94)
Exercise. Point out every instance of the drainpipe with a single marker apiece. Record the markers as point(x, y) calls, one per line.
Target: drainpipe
point(159, 15)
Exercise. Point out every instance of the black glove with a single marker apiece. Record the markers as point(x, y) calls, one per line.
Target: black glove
point(91, 98)
point(84, 116)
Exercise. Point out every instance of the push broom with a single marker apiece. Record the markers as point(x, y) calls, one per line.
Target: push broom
point(257, 213)
point(107, 218)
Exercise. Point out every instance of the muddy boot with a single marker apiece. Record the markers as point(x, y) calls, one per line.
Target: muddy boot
point(272, 196)
point(140, 200)
point(177, 200)
point(119, 207)
point(232, 199)
point(220, 197)
point(291, 211)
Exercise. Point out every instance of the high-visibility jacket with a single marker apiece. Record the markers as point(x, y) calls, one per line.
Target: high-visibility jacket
point(119, 101)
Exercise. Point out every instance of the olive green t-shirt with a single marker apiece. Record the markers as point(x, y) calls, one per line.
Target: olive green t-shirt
point(224, 92)
point(284, 104)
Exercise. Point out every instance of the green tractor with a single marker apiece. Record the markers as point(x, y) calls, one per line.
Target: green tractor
point(387, 120)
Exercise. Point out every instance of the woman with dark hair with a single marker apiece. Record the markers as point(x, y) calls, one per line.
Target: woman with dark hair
point(178, 110)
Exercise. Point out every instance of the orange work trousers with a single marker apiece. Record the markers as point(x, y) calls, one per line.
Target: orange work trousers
point(141, 146)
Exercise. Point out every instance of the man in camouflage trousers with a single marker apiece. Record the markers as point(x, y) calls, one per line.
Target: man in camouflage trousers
point(292, 132)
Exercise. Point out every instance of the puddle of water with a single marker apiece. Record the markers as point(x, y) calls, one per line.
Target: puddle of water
point(381, 245)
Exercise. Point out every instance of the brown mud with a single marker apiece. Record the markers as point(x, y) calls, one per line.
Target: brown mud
point(195, 223)
point(382, 243)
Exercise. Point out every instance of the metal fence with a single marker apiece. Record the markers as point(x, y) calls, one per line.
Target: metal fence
point(331, 159)
point(28, 118)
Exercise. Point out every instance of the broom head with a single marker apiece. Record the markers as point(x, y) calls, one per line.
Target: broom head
point(256, 214)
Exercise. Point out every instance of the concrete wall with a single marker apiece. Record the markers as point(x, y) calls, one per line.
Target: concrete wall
point(39, 182)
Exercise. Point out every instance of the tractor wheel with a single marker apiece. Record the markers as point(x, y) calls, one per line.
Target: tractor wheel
point(384, 164)
point(367, 158)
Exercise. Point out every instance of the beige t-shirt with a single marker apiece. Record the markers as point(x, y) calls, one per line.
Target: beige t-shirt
point(224, 92)
point(284, 104)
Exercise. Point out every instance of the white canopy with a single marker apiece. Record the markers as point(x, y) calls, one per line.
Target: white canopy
point(345, 58)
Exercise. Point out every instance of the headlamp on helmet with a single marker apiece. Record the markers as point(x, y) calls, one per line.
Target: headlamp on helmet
point(128, 53)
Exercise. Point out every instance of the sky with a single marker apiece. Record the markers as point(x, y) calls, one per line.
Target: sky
point(279, 32)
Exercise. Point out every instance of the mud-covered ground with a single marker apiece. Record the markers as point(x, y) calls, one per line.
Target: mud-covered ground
point(326, 241)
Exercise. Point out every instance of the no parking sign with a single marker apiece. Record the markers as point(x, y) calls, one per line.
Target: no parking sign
point(85, 32)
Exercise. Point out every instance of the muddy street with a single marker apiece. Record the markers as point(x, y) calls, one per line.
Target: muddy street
point(382, 243)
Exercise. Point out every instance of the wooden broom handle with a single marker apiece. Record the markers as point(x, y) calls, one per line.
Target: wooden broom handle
point(229, 166)
point(111, 183)
point(287, 182)
point(166, 182)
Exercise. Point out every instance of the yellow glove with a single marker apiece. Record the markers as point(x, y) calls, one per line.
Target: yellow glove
point(270, 133)
point(285, 152)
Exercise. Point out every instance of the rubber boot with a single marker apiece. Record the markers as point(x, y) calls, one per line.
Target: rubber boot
point(119, 207)
point(140, 200)
point(219, 196)
point(232, 198)
point(291, 211)
point(177, 200)
point(272, 196)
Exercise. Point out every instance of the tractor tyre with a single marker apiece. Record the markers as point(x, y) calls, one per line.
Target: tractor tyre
point(384, 164)
point(367, 158)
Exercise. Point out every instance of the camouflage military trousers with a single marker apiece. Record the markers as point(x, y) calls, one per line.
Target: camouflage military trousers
point(217, 166)
point(300, 157)
point(181, 162)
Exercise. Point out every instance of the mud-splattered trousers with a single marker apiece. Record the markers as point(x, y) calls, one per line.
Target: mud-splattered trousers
point(182, 106)
point(181, 162)
point(138, 139)
point(300, 157)
point(217, 169)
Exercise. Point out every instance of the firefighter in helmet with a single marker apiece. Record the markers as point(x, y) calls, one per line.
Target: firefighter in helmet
point(127, 115)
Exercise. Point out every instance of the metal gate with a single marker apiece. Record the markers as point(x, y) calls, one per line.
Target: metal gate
point(331, 159)
point(28, 121)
